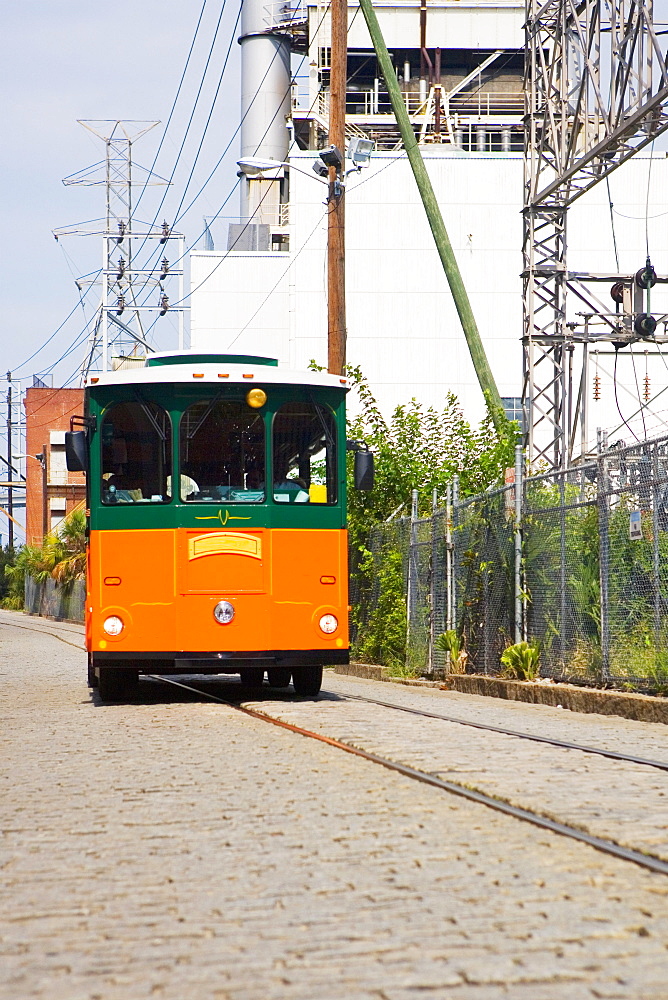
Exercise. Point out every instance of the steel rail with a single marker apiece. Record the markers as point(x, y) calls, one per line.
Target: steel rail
point(563, 744)
point(47, 631)
point(610, 847)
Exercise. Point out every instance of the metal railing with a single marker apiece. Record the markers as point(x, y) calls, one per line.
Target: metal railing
point(373, 101)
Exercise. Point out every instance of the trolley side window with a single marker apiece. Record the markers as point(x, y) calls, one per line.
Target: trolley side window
point(222, 452)
point(304, 454)
point(136, 454)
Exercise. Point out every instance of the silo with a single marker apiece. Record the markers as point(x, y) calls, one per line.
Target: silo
point(265, 102)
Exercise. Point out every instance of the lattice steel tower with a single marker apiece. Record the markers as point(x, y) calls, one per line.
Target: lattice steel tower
point(133, 281)
point(595, 89)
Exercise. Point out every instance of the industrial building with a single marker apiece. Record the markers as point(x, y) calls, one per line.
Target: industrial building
point(259, 286)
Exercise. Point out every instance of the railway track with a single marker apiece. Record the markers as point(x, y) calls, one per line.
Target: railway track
point(562, 744)
point(608, 846)
point(603, 844)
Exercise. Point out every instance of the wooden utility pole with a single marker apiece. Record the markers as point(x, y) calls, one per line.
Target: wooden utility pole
point(336, 245)
point(45, 494)
point(10, 436)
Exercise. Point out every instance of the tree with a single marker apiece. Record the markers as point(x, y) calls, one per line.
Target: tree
point(61, 556)
point(418, 448)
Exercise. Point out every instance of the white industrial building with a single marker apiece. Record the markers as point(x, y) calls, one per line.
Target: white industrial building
point(403, 331)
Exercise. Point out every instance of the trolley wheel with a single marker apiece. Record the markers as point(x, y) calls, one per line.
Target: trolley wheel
point(92, 677)
point(119, 684)
point(307, 680)
point(279, 677)
point(252, 677)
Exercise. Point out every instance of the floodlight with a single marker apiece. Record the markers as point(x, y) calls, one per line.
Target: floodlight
point(360, 150)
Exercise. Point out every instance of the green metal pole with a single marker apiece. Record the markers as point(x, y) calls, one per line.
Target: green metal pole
point(443, 245)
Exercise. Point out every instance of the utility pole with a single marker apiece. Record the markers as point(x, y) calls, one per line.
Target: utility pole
point(45, 493)
point(10, 492)
point(336, 246)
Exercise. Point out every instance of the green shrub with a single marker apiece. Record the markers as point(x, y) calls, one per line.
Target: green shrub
point(521, 661)
point(449, 642)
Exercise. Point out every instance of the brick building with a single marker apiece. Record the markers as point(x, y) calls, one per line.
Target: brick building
point(48, 413)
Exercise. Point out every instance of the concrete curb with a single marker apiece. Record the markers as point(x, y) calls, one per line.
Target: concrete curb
point(640, 707)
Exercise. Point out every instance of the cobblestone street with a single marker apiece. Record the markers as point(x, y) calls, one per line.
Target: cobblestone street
point(178, 849)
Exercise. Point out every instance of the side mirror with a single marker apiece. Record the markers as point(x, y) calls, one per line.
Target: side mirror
point(364, 470)
point(76, 451)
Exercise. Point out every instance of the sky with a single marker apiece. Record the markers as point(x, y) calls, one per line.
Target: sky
point(64, 61)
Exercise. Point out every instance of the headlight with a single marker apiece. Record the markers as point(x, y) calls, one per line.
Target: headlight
point(328, 624)
point(113, 625)
point(223, 612)
point(256, 398)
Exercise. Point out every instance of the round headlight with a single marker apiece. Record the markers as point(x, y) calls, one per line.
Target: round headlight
point(113, 625)
point(328, 624)
point(223, 612)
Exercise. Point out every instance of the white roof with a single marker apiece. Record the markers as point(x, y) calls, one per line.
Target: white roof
point(219, 372)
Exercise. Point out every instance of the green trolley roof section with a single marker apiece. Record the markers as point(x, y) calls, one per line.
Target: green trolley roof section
point(178, 383)
point(190, 357)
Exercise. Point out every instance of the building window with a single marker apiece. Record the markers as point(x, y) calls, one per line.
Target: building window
point(512, 406)
point(57, 466)
point(57, 509)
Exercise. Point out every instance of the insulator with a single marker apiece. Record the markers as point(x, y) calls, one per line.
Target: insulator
point(617, 292)
point(646, 276)
point(597, 387)
point(121, 232)
point(165, 268)
point(644, 325)
point(164, 305)
point(121, 268)
point(120, 305)
point(647, 392)
point(166, 232)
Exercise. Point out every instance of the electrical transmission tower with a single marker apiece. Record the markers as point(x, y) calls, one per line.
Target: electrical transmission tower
point(595, 88)
point(134, 283)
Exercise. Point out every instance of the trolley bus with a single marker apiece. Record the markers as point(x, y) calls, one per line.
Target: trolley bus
point(216, 513)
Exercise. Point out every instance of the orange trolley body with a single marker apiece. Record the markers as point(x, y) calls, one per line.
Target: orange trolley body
point(216, 519)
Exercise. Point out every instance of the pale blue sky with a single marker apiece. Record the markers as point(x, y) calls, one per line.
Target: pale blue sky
point(78, 59)
point(66, 61)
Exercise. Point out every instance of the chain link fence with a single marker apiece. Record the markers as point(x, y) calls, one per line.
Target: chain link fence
point(483, 573)
point(578, 561)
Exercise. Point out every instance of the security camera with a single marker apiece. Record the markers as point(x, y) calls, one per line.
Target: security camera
point(320, 169)
point(332, 156)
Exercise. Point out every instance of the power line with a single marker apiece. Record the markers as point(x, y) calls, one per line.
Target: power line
point(173, 108)
point(57, 331)
point(208, 121)
point(190, 120)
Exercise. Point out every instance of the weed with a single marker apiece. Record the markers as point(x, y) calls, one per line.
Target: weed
point(449, 642)
point(521, 661)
